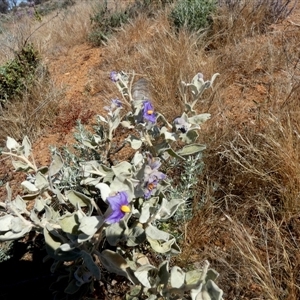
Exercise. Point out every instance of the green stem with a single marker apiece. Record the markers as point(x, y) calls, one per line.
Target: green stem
point(147, 138)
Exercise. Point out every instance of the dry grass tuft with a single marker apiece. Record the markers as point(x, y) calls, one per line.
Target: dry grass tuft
point(33, 111)
point(56, 32)
point(239, 19)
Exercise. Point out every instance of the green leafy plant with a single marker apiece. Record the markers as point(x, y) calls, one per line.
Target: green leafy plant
point(103, 213)
point(192, 14)
point(105, 21)
point(16, 74)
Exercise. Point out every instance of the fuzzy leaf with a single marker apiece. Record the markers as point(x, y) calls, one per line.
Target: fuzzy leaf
point(12, 143)
point(76, 197)
point(142, 274)
point(30, 197)
point(191, 149)
point(19, 204)
point(104, 190)
point(168, 208)
point(140, 259)
point(164, 247)
point(56, 164)
point(39, 204)
point(160, 241)
point(212, 275)
point(172, 153)
point(34, 217)
point(90, 264)
point(41, 181)
point(29, 186)
point(17, 225)
point(69, 223)
point(90, 181)
point(196, 292)
point(116, 232)
point(189, 137)
point(199, 119)
point(10, 235)
point(53, 242)
point(88, 143)
point(27, 146)
point(66, 247)
point(125, 185)
point(8, 191)
point(136, 236)
point(138, 159)
point(20, 165)
point(163, 273)
point(145, 212)
point(193, 277)
point(177, 277)
point(102, 119)
point(123, 170)
point(169, 136)
point(134, 142)
point(127, 124)
point(114, 262)
point(213, 290)
point(155, 233)
point(90, 225)
point(5, 222)
point(12, 228)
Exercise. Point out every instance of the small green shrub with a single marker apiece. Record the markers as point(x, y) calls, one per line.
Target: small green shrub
point(104, 23)
point(17, 73)
point(193, 14)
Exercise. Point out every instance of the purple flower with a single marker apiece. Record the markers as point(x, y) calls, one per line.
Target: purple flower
point(181, 124)
point(116, 103)
point(148, 112)
point(119, 206)
point(152, 176)
point(200, 76)
point(114, 76)
point(149, 188)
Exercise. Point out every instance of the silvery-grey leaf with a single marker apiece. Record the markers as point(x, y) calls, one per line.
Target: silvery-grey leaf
point(12, 144)
point(29, 186)
point(142, 274)
point(177, 277)
point(90, 225)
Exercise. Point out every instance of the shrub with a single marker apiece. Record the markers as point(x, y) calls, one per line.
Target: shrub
point(4, 6)
point(234, 20)
point(104, 22)
point(17, 73)
point(274, 10)
point(100, 215)
point(193, 14)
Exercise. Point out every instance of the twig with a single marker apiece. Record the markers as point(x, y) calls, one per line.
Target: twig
point(293, 23)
